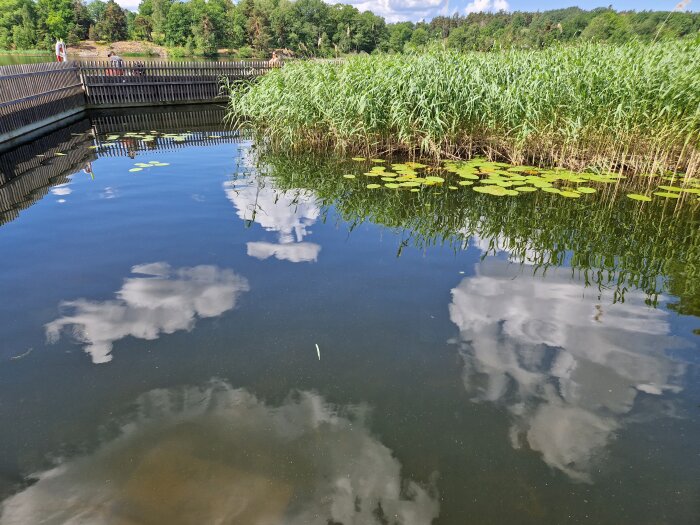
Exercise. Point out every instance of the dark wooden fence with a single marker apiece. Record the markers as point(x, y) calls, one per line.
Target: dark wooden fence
point(134, 83)
point(33, 94)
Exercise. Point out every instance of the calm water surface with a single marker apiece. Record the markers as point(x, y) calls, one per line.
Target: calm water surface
point(224, 338)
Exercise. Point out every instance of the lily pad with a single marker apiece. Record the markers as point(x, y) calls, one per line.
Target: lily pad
point(433, 178)
point(525, 188)
point(465, 183)
point(359, 159)
point(638, 197)
point(349, 176)
point(671, 188)
point(585, 189)
point(570, 194)
point(666, 194)
point(391, 185)
point(373, 186)
point(136, 169)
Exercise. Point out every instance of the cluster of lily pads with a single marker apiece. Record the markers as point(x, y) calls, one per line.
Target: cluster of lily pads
point(500, 179)
point(148, 136)
point(139, 166)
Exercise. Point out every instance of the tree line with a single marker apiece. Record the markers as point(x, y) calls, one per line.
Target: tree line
point(253, 28)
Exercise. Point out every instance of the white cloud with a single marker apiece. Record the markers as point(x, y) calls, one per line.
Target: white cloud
point(401, 10)
point(131, 5)
point(567, 365)
point(165, 300)
point(216, 454)
point(293, 252)
point(288, 213)
point(477, 6)
point(61, 189)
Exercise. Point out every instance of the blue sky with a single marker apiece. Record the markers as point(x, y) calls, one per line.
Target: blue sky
point(396, 10)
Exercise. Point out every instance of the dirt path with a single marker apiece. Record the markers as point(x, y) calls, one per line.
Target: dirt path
point(94, 50)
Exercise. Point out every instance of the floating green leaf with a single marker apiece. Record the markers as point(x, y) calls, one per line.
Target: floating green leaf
point(666, 194)
point(374, 186)
point(638, 197)
point(136, 169)
point(349, 176)
point(585, 189)
point(570, 194)
point(359, 159)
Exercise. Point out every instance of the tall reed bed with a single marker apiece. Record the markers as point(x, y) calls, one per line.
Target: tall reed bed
point(635, 106)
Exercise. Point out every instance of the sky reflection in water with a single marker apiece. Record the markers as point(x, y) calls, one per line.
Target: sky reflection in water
point(449, 376)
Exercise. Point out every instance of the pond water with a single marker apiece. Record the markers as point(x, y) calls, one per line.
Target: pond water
point(229, 337)
point(6, 60)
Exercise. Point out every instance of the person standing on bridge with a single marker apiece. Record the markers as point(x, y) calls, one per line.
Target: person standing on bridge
point(61, 55)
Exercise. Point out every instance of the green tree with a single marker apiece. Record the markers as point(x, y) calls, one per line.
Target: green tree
point(399, 35)
point(178, 24)
point(608, 26)
point(113, 26)
point(57, 17)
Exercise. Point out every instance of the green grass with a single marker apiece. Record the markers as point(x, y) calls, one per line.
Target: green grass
point(633, 107)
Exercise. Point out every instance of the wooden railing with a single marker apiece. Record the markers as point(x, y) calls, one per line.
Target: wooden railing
point(31, 94)
point(134, 83)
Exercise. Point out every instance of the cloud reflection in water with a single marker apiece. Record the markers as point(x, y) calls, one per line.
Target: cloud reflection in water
point(215, 454)
point(161, 300)
point(568, 365)
point(289, 213)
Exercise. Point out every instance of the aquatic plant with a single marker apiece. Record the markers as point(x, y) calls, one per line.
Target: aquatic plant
point(634, 107)
point(610, 240)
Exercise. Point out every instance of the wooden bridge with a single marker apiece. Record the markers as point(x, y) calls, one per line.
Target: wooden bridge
point(35, 98)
